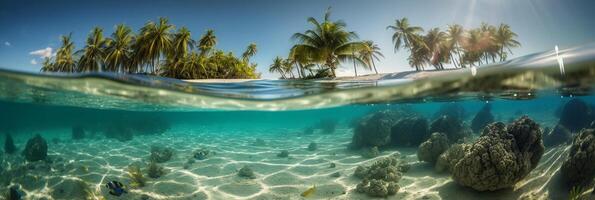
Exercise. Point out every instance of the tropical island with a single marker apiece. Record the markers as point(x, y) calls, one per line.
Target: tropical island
point(160, 49)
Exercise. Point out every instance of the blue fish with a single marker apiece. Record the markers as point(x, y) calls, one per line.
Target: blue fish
point(115, 188)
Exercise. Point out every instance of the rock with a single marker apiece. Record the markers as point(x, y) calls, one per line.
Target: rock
point(579, 168)
point(312, 146)
point(377, 188)
point(454, 110)
point(327, 126)
point(392, 188)
point(501, 157)
point(559, 135)
point(283, 154)
point(332, 165)
point(482, 118)
point(576, 115)
point(430, 150)
point(78, 133)
point(370, 152)
point(373, 130)
point(36, 149)
point(380, 179)
point(246, 172)
point(410, 132)
point(308, 131)
point(336, 174)
point(452, 127)
point(201, 154)
point(259, 142)
point(448, 159)
point(9, 146)
point(161, 154)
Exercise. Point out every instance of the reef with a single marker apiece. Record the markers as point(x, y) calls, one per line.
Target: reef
point(283, 154)
point(447, 160)
point(312, 146)
point(482, 118)
point(579, 168)
point(452, 127)
point(246, 172)
point(370, 152)
point(9, 146)
point(501, 157)
point(430, 150)
point(559, 135)
point(454, 110)
point(78, 133)
point(373, 130)
point(409, 132)
point(154, 170)
point(327, 126)
point(575, 115)
point(161, 154)
point(36, 149)
point(201, 154)
point(381, 178)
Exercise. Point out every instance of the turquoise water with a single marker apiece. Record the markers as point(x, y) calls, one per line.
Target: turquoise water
point(124, 116)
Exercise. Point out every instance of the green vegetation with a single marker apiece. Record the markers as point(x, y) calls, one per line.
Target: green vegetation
point(136, 176)
point(157, 49)
point(460, 47)
point(575, 193)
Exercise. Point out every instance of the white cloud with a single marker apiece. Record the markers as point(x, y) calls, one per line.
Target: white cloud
point(7, 43)
point(33, 61)
point(43, 53)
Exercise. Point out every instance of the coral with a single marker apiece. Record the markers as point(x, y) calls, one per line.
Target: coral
point(380, 179)
point(136, 176)
point(452, 127)
point(377, 188)
point(36, 149)
point(501, 157)
point(576, 115)
point(431, 149)
point(246, 172)
point(78, 133)
point(201, 154)
point(482, 118)
point(579, 168)
point(312, 146)
point(373, 130)
point(409, 132)
point(559, 135)
point(9, 146)
point(454, 110)
point(154, 170)
point(370, 152)
point(448, 159)
point(161, 154)
point(283, 154)
point(327, 126)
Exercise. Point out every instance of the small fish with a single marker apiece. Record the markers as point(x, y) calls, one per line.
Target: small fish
point(115, 188)
point(309, 191)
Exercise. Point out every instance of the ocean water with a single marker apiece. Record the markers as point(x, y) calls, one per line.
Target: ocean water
point(100, 127)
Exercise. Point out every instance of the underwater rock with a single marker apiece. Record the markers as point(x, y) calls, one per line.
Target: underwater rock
point(154, 170)
point(78, 133)
point(452, 127)
point(9, 146)
point(370, 152)
point(161, 154)
point(431, 149)
point(501, 157)
point(482, 118)
point(576, 115)
point(201, 154)
point(559, 135)
point(246, 172)
point(579, 168)
point(373, 130)
point(312, 146)
point(409, 132)
point(336, 175)
point(327, 126)
point(308, 131)
point(447, 160)
point(36, 149)
point(118, 131)
point(380, 179)
point(283, 154)
point(259, 142)
point(454, 110)
point(332, 165)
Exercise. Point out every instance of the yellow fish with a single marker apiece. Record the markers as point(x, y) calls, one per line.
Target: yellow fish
point(309, 191)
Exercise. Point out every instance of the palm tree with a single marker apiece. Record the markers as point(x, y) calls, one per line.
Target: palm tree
point(288, 65)
point(47, 65)
point(156, 40)
point(277, 66)
point(118, 50)
point(207, 42)
point(435, 41)
point(64, 60)
point(327, 42)
point(369, 53)
point(250, 51)
point(404, 34)
point(182, 43)
point(504, 39)
point(455, 35)
point(93, 52)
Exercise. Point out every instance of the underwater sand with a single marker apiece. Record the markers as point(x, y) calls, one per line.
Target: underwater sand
point(97, 160)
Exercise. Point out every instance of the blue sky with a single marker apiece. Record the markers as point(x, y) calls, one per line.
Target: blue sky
point(32, 26)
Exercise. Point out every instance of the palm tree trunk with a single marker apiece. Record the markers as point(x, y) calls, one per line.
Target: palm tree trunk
point(354, 68)
point(374, 65)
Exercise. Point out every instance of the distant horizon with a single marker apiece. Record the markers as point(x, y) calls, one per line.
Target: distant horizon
point(32, 29)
